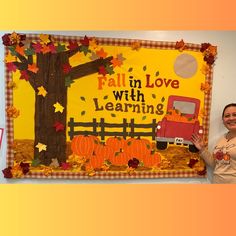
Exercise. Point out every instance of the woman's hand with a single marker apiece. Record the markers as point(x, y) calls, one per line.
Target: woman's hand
point(198, 142)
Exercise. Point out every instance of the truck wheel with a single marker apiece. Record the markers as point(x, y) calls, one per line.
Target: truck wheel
point(161, 145)
point(192, 148)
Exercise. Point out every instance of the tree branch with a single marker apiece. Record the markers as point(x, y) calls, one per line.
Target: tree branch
point(88, 68)
point(21, 66)
point(72, 52)
point(22, 58)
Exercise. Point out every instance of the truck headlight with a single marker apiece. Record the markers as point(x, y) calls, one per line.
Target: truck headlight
point(200, 131)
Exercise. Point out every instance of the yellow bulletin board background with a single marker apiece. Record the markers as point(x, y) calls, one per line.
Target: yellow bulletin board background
point(88, 88)
point(117, 209)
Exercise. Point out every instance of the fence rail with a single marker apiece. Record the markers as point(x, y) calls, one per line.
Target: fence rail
point(104, 129)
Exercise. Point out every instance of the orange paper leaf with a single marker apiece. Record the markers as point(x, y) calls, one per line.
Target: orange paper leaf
point(45, 49)
point(101, 53)
point(20, 50)
point(33, 68)
point(205, 87)
point(180, 45)
point(116, 62)
point(136, 45)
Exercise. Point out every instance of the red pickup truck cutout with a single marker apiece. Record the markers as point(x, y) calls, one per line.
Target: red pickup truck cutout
point(179, 123)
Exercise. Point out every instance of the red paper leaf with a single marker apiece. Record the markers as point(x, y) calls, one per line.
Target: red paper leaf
point(24, 75)
point(11, 66)
point(65, 166)
point(7, 172)
point(192, 162)
point(204, 46)
point(66, 68)
point(6, 40)
point(133, 163)
point(58, 126)
point(85, 41)
point(52, 48)
point(102, 70)
point(202, 172)
point(73, 45)
point(37, 47)
point(25, 167)
point(210, 59)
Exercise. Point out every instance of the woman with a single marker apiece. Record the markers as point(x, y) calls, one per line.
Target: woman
point(223, 159)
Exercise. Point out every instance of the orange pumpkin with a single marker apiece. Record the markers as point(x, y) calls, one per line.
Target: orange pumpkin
point(95, 162)
point(83, 145)
point(138, 147)
point(103, 151)
point(117, 143)
point(120, 158)
point(152, 160)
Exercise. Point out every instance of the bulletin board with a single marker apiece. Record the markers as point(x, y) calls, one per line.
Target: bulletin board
point(80, 107)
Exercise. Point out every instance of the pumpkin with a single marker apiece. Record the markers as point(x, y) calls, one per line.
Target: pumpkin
point(138, 147)
point(104, 152)
point(84, 145)
point(117, 143)
point(120, 158)
point(152, 160)
point(95, 162)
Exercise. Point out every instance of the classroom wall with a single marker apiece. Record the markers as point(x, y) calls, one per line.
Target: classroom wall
point(223, 90)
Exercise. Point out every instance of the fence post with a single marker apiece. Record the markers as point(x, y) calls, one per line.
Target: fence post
point(95, 126)
point(131, 134)
point(71, 127)
point(125, 124)
point(102, 125)
point(153, 129)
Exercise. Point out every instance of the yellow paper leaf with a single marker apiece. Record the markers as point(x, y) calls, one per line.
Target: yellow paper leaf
point(47, 170)
point(202, 113)
point(17, 171)
point(10, 58)
point(42, 91)
point(41, 147)
point(93, 43)
point(58, 107)
point(205, 69)
point(44, 38)
point(11, 85)
point(15, 38)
